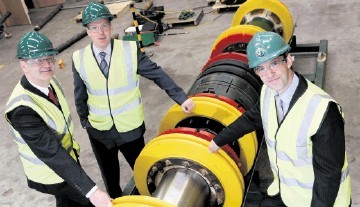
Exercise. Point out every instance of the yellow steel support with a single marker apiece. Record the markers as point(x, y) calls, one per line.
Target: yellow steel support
point(140, 201)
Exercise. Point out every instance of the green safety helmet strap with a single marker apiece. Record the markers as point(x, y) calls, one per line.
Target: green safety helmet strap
point(265, 46)
point(95, 11)
point(34, 45)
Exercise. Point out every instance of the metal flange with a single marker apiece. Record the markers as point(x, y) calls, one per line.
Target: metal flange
point(188, 151)
point(270, 15)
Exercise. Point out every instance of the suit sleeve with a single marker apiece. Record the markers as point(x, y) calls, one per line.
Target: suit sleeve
point(152, 71)
point(81, 97)
point(246, 123)
point(47, 147)
point(328, 157)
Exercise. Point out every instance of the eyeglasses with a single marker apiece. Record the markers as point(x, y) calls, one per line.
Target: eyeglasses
point(103, 27)
point(261, 70)
point(41, 61)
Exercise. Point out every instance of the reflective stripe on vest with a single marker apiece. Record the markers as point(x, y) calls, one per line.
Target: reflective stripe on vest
point(35, 169)
point(296, 155)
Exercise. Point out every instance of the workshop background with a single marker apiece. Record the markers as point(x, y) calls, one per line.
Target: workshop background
point(182, 55)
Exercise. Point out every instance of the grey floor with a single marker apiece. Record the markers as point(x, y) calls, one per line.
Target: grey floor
point(182, 57)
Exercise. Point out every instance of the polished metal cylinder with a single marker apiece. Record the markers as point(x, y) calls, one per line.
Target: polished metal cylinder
point(183, 187)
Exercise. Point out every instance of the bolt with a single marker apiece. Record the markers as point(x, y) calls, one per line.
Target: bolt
point(149, 180)
point(217, 187)
point(186, 164)
point(204, 172)
point(153, 171)
point(167, 162)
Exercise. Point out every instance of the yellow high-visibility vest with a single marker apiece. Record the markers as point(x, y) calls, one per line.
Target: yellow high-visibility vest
point(34, 168)
point(290, 147)
point(116, 100)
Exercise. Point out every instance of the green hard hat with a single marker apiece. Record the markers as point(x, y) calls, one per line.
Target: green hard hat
point(95, 11)
point(265, 46)
point(34, 45)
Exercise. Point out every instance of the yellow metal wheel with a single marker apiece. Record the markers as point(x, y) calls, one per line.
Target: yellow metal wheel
point(274, 7)
point(140, 201)
point(192, 148)
point(246, 31)
point(222, 112)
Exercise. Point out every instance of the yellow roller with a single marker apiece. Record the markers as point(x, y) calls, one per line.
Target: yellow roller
point(189, 147)
point(140, 201)
point(236, 30)
point(222, 112)
point(273, 7)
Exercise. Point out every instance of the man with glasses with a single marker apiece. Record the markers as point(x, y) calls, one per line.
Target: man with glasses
point(303, 129)
point(107, 94)
point(40, 120)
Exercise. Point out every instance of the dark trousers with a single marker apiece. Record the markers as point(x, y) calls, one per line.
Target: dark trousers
point(109, 162)
point(274, 201)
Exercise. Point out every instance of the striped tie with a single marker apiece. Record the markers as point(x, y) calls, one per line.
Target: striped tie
point(279, 108)
point(103, 64)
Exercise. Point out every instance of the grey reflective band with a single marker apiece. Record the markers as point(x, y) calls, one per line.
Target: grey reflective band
point(345, 174)
point(273, 167)
point(19, 139)
point(67, 124)
point(294, 182)
point(106, 112)
point(301, 143)
point(299, 162)
point(128, 60)
point(58, 85)
point(265, 115)
point(27, 98)
point(114, 91)
point(33, 160)
point(269, 142)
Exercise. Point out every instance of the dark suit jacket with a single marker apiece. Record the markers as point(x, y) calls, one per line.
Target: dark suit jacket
point(47, 147)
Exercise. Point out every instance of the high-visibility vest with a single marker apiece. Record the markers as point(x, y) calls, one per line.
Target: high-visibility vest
point(116, 100)
point(290, 147)
point(60, 122)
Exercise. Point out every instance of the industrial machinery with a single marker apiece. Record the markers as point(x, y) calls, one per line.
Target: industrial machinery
point(176, 168)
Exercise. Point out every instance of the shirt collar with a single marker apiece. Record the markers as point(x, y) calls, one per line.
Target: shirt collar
point(44, 90)
point(288, 94)
point(97, 50)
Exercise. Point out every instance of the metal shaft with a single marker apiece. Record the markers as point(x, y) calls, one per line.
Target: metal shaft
point(183, 187)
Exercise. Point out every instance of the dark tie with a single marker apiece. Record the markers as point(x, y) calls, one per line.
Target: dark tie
point(279, 108)
point(52, 96)
point(103, 64)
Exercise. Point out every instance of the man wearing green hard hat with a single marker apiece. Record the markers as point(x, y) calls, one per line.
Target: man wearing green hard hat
point(303, 129)
point(107, 94)
point(39, 117)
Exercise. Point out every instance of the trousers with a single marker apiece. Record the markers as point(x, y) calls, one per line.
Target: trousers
point(108, 161)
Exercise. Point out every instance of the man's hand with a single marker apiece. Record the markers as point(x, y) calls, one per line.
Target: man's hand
point(100, 199)
point(188, 105)
point(213, 147)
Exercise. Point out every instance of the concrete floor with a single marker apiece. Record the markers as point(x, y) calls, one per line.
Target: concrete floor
point(182, 57)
